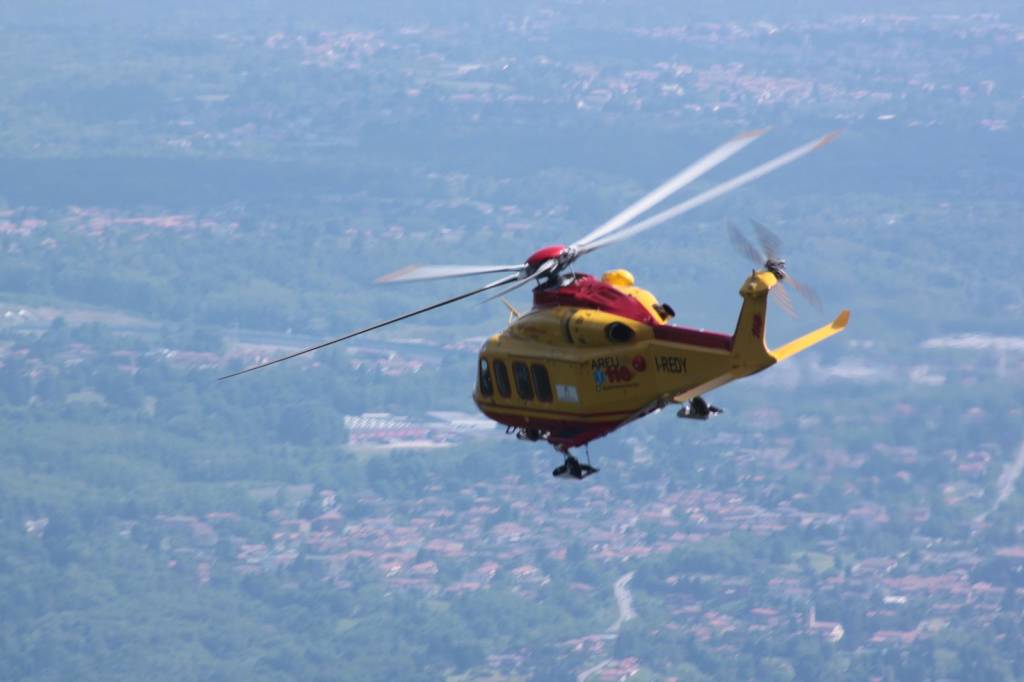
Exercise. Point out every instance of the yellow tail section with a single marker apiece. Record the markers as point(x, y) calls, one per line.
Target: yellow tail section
point(808, 340)
point(750, 354)
point(749, 348)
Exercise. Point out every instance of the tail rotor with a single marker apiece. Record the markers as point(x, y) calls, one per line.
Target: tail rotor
point(769, 257)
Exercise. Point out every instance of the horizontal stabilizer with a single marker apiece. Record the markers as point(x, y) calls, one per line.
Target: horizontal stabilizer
point(808, 340)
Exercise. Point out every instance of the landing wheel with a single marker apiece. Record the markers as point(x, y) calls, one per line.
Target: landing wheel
point(572, 468)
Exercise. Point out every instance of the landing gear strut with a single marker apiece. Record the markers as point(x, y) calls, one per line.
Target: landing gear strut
point(532, 435)
point(573, 468)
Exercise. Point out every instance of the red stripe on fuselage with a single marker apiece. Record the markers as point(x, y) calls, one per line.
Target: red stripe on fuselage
point(587, 292)
point(544, 413)
point(568, 432)
point(693, 337)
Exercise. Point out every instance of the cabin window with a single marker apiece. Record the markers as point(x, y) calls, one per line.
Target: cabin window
point(542, 382)
point(522, 376)
point(501, 379)
point(486, 387)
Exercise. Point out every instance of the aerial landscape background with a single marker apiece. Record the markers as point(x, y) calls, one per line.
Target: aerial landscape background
point(190, 188)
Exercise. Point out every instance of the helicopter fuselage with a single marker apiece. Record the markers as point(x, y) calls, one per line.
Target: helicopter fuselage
point(594, 354)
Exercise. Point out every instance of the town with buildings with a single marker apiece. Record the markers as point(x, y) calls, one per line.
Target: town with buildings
point(519, 532)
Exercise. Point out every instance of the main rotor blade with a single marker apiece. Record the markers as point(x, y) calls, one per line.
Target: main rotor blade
point(743, 245)
point(673, 185)
point(770, 242)
point(713, 193)
point(492, 285)
point(415, 273)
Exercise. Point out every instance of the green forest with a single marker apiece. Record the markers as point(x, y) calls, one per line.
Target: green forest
point(191, 189)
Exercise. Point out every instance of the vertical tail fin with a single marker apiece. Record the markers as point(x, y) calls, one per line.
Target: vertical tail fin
point(748, 344)
point(749, 349)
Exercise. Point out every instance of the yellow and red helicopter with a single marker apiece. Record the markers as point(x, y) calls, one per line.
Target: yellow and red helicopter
point(595, 354)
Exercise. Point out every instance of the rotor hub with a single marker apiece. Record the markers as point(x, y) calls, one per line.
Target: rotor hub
point(547, 253)
point(776, 266)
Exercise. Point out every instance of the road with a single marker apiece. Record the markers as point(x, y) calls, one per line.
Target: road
point(1007, 481)
point(624, 600)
